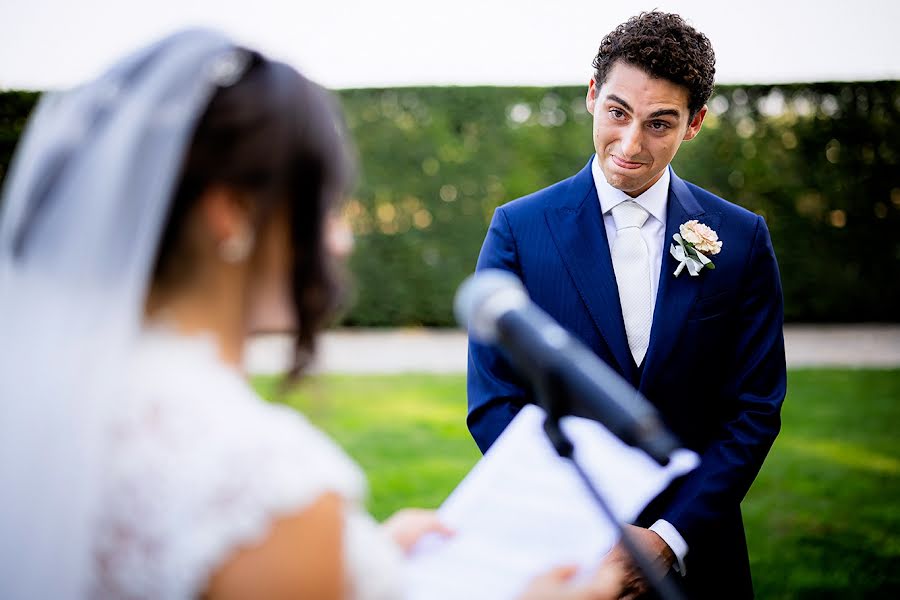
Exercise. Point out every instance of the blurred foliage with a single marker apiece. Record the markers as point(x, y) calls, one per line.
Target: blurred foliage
point(15, 106)
point(822, 164)
point(818, 161)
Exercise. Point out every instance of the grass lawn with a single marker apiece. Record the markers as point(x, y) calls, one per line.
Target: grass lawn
point(822, 519)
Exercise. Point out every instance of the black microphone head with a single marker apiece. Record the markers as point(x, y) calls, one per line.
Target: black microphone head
point(483, 298)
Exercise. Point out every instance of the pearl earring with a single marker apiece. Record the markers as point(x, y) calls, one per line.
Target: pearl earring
point(237, 248)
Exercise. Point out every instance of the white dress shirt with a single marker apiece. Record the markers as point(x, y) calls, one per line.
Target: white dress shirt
point(654, 201)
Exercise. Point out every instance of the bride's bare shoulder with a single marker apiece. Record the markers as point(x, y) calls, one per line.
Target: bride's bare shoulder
point(301, 557)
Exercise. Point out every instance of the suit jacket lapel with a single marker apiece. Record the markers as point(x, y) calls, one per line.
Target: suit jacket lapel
point(675, 295)
point(577, 228)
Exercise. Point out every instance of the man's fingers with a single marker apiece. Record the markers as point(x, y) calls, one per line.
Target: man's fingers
point(607, 583)
point(555, 585)
point(616, 555)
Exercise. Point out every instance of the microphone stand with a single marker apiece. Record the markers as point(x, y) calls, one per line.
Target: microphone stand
point(551, 397)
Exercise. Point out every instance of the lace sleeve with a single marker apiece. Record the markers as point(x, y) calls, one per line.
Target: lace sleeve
point(195, 475)
point(257, 477)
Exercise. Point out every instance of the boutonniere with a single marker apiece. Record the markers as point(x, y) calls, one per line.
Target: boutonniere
point(692, 245)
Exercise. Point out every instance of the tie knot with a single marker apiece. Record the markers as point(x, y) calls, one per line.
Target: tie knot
point(629, 214)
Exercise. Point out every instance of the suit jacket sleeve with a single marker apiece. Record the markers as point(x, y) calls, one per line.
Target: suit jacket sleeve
point(755, 392)
point(495, 393)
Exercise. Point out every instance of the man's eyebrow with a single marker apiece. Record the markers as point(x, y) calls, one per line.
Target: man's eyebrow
point(618, 100)
point(665, 112)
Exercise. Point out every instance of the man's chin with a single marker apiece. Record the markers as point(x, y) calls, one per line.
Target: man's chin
point(624, 183)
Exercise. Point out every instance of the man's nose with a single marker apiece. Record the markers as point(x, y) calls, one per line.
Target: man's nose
point(631, 141)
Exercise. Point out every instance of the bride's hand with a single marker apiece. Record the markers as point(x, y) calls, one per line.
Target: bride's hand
point(407, 526)
point(557, 585)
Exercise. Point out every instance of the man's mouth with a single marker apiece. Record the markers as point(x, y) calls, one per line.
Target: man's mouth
point(625, 164)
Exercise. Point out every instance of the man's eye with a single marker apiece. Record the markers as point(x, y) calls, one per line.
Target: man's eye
point(659, 125)
point(616, 113)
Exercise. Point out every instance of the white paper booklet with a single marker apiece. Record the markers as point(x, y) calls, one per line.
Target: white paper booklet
point(523, 510)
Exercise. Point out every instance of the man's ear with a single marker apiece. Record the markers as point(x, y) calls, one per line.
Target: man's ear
point(695, 124)
point(591, 99)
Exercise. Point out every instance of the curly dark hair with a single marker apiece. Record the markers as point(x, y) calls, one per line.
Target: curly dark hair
point(664, 46)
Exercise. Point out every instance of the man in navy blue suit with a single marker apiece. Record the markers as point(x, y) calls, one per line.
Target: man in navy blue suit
point(599, 252)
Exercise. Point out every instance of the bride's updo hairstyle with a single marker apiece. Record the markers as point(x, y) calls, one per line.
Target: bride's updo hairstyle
point(278, 137)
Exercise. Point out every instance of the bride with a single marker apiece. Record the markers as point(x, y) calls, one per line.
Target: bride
point(152, 218)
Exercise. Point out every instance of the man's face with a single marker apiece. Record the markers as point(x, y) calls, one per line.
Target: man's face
point(639, 123)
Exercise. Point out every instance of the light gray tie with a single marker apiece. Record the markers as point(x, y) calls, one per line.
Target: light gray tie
point(631, 262)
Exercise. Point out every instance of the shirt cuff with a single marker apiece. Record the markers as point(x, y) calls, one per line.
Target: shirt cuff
point(670, 536)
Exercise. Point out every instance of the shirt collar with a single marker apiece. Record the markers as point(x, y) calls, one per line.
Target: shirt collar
point(654, 200)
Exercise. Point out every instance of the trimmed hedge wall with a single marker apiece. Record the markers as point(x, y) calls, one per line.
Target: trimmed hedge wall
point(15, 107)
point(818, 161)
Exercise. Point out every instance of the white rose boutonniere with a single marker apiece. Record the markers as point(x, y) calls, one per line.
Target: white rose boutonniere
point(692, 245)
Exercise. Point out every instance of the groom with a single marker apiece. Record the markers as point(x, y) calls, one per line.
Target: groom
point(597, 252)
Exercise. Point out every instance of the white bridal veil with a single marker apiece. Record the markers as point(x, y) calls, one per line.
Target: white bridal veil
point(80, 220)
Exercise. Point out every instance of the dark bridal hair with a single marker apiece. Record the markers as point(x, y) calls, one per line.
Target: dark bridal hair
point(277, 136)
point(664, 46)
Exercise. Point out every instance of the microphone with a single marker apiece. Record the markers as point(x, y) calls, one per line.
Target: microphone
point(495, 308)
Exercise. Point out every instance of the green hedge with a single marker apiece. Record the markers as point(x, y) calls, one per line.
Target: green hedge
point(819, 161)
point(15, 107)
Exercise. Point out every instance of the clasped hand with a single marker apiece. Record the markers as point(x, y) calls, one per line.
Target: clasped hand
point(617, 578)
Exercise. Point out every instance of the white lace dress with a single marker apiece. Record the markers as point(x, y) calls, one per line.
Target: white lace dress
point(199, 466)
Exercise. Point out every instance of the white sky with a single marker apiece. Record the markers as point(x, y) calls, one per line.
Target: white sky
point(356, 43)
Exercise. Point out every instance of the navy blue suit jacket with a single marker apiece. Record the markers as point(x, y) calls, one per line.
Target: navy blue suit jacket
point(715, 366)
